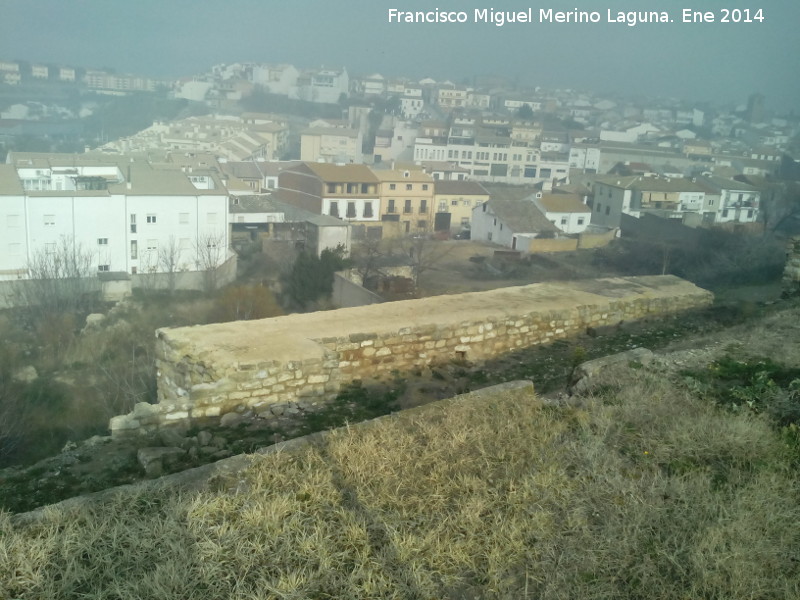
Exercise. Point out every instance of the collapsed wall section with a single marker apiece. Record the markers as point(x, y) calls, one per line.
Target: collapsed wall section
point(284, 366)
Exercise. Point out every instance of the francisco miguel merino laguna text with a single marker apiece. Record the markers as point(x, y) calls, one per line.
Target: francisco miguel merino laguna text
point(545, 15)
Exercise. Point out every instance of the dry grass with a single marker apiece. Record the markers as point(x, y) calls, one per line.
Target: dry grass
point(645, 492)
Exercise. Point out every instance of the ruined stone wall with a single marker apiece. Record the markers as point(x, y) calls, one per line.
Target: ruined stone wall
point(284, 366)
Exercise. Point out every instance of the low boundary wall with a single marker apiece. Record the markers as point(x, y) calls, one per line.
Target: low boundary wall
point(284, 366)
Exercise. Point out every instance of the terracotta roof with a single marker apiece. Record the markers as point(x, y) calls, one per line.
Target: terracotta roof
point(342, 173)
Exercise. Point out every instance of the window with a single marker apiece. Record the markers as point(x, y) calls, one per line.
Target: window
point(563, 220)
point(407, 207)
point(351, 210)
point(331, 187)
point(49, 220)
point(422, 224)
point(133, 223)
point(103, 267)
point(423, 206)
point(453, 202)
point(368, 214)
point(151, 218)
point(489, 236)
point(12, 220)
point(392, 186)
point(750, 214)
point(725, 213)
point(495, 222)
point(390, 208)
point(608, 209)
point(580, 220)
point(152, 245)
point(409, 186)
point(365, 188)
point(134, 249)
point(102, 241)
point(334, 209)
point(425, 187)
point(597, 208)
point(183, 218)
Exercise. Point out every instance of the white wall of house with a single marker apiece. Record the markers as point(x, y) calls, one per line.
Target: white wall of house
point(584, 158)
point(487, 227)
point(359, 206)
point(740, 206)
point(101, 223)
point(570, 222)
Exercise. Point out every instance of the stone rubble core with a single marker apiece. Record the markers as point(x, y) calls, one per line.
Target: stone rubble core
point(283, 367)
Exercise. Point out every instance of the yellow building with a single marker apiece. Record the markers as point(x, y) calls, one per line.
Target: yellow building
point(459, 198)
point(406, 197)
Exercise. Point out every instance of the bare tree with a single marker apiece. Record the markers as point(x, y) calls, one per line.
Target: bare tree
point(61, 278)
point(169, 261)
point(424, 253)
point(367, 256)
point(210, 251)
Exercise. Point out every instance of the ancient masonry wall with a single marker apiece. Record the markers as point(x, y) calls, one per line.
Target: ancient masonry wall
point(282, 367)
point(791, 272)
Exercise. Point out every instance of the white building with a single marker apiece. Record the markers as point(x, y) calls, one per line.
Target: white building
point(510, 222)
point(565, 211)
point(584, 157)
point(324, 85)
point(411, 106)
point(127, 213)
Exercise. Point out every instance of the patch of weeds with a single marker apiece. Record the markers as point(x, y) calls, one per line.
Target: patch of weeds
point(354, 403)
point(756, 384)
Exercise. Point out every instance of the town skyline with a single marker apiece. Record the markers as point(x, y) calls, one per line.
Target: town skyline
point(697, 62)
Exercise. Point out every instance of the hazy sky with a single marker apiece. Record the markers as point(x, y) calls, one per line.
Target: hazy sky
point(170, 38)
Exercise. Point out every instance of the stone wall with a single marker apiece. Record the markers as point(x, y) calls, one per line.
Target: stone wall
point(285, 366)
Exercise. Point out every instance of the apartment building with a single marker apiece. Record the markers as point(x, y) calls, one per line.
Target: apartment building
point(406, 197)
point(668, 197)
point(348, 192)
point(331, 145)
point(125, 212)
point(489, 153)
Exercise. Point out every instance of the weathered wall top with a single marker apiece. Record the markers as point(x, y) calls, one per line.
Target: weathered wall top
point(298, 335)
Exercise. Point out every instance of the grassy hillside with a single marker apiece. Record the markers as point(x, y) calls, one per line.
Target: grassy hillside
point(645, 490)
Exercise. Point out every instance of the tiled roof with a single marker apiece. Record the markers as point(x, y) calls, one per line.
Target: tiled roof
point(462, 188)
point(563, 203)
point(521, 216)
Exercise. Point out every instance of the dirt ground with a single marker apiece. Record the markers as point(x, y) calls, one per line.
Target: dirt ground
point(455, 273)
point(462, 268)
